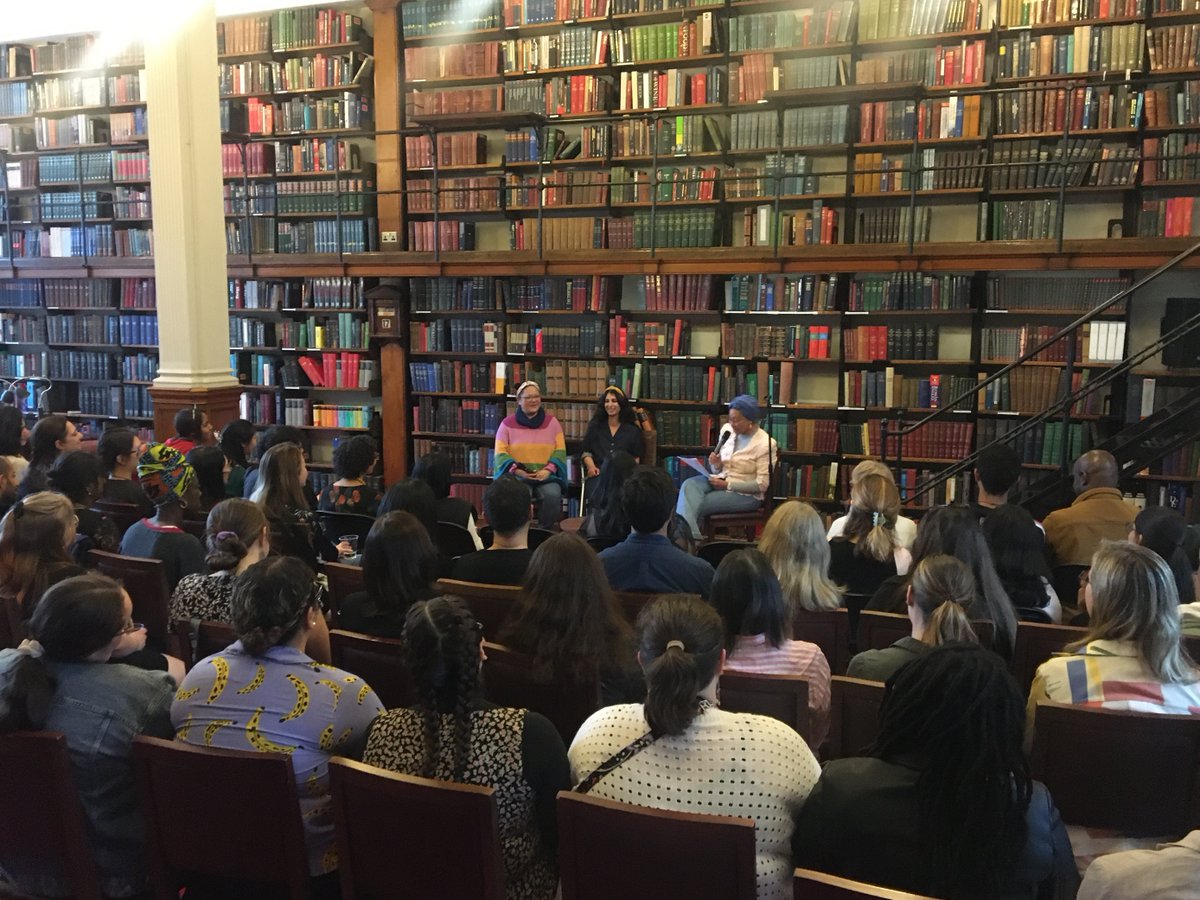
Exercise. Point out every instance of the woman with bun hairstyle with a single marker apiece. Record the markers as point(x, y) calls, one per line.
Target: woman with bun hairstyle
point(613, 427)
point(678, 745)
point(868, 551)
point(939, 593)
point(1164, 531)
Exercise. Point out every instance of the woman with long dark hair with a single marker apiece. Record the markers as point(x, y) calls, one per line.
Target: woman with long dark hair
point(237, 442)
point(353, 459)
point(35, 546)
point(211, 466)
point(943, 805)
point(119, 450)
point(279, 492)
point(1018, 549)
point(79, 476)
point(613, 428)
point(568, 621)
point(13, 438)
point(399, 565)
point(606, 518)
point(681, 741)
point(453, 734)
point(51, 437)
point(435, 470)
point(1164, 531)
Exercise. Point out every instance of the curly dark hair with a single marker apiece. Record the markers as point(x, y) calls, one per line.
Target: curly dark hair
point(352, 458)
point(625, 413)
point(269, 602)
point(442, 639)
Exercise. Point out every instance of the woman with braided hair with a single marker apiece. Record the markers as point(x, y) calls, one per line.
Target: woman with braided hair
point(943, 805)
point(454, 735)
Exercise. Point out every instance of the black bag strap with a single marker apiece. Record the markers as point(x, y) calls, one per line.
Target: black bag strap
point(617, 759)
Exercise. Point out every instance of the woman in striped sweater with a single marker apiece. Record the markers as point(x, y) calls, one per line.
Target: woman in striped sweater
point(530, 446)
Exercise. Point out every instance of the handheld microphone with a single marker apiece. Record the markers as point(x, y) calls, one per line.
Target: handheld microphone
point(721, 440)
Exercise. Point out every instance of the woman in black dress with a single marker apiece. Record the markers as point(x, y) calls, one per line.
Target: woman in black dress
point(613, 427)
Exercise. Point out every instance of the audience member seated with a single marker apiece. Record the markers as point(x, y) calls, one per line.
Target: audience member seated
point(793, 542)
point(455, 735)
point(434, 469)
point(867, 552)
point(51, 437)
point(57, 681)
point(276, 434)
point(1189, 613)
point(79, 476)
point(939, 594)
point(1131, 657)
point(119, 450)
point(237, 442)
point(955, 531)
point(399, 565)
point(530, 446)
point(13, 439)
point(647, 560)
point(170, 484)
point(1168, 872)
point(568, 621)
point(211, 467)
point(1097, 514)
point(675, 751)
point(1164, 531)
point(612, 429)
point(757, 629)
point(192, 429)
point(295, 531)
point(944, 806)
point(8, 485)
point(506, 505)
point(606, 517)
point(1018, 550)
point(997, 469)
point(906, 528)
point(411, 495)
point(353, 458)
point(237, 537)
point(740, 469)
point(264, 693)
point(35, 549)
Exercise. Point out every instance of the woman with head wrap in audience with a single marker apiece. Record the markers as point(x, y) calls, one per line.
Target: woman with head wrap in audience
point(265, 693)
point(677, 745)
point(170, 483)
point(794, 543)
point(939, 592)
point(868, 552)
point(453, 734)
point(944, 805)
point(57, 681)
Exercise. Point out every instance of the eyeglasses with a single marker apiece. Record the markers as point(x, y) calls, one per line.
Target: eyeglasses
point(131, 627)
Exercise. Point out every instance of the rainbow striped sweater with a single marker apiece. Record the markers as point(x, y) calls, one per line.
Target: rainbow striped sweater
point(520, 446)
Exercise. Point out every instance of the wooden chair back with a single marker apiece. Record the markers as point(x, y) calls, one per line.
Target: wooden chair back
point(41, 822)
point(194, 526)
point(877, 630)
point(539, 536)
point(1035, 644)
point(344, 580)
point(782, 697)
point(810, 885)
point(213, 637)
point(378, 661)
point(633, 602)
point(453, 539)
point(403, 836)
point(853, 715)
point(600, 542)
point(511, 679)
point(122, 514)
point(715, 551)
point(829, 630)
point(146, 582)
point(608, 849)
point(1137, 773)
point(491, 603)
point(195, 802)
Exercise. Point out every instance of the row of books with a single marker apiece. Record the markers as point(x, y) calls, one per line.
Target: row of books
point(139, 367)
point(300, 156)
point(867, 343)
point(348, 111)
point(1087, 48)
point(684, 429)
point(949, 441)
point(557, 378)
point(878, 19)
point(806, 27)
point(268, 235)
point(1074, 162)
point(935, 169)
point(780, 293)
point(763, 227)
point(299, 73)
point(943, 66)
point(455, 377)
point(576, 46)
point(1172, 104)
point(909, 291)
point(809, 481)
point(77, 364)
point(586, 340)
point(312, 195)
point(457, 416)
point(1023, 12)
point(1174, 157)
point(744, 341)
point(1043, 444)
point(1044, 292)
point(77, 240)
point(639, 338)
point(328, 292)
point(465, 459)
point(78, 293)
point(288, 29)
point(317, 333)
point(1171, 217)
point(1174, 47)
point(129, 330)
point(888, 389)
point(1101, 341)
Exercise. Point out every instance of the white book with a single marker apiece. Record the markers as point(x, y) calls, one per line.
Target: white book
point(1148, 388)
point(1093, 334)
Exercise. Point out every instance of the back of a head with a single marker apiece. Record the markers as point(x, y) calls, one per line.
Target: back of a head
point(399, 560)
point(1164, 531)
point(747, 595)
point(165, 476)
point(506, 505)
point(680, 639)
point(234, 438)
point(188, 423)
point(279, 434)
point(412, 496)
point(435, 470)
point(793, 542)
point(943, 588)
point(871, 467)
point(76, 475)
point(44, 438)
point(998, 467)
point(12, 423)
point(648, 499)
point(33, 533)
point(270, 601)
point(874, 508)
point(958, 711)
point(232, 527)
point(279, 486)
point(1095, 469)
point(1134, 599)
point(209, 465)
point(1017, 545)
point(354, 457)
point(962, 538)
point(115, 442)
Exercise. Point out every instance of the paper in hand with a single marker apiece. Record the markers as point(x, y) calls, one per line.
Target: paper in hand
point(696, 463)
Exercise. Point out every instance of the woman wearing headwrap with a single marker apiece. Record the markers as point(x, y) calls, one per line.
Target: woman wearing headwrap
point(741, 468)
point(170, 483)
point(530, 446)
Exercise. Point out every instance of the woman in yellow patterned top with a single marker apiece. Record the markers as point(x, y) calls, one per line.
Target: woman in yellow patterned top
point(263, 693)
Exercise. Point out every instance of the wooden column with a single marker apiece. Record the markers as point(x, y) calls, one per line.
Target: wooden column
point(388, 147)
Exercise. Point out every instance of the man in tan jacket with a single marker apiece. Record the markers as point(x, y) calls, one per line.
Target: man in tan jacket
point(1097, 514)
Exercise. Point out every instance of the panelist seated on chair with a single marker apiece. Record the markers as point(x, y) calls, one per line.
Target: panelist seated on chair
point(741, 468)
point(506, 505)
point(530, 446)
point(59, 681)
point(647, 561)
point(945, 806)
point(455, 735)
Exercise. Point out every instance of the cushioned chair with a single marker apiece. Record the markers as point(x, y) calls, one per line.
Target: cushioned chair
point(810, 885)
point(378, 661)
point(1137, 773)
point(402, 836)
point(344, 580)
point(539, 536)
point(335, 524)
point(853, 715)
point(146, 582)
point(205, 810)
point(782, 697)
point(608, 849)
point(453, 539)
point(491, 603)
point(511, 679)
point(1036, 644)
point(41, 821)
point(715, 551)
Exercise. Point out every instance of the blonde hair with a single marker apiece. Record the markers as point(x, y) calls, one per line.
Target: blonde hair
point(874, 508)
point(870, 467)
point(1134, 599)
point(793, 541)
point(942, 588)
point(33, 534)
